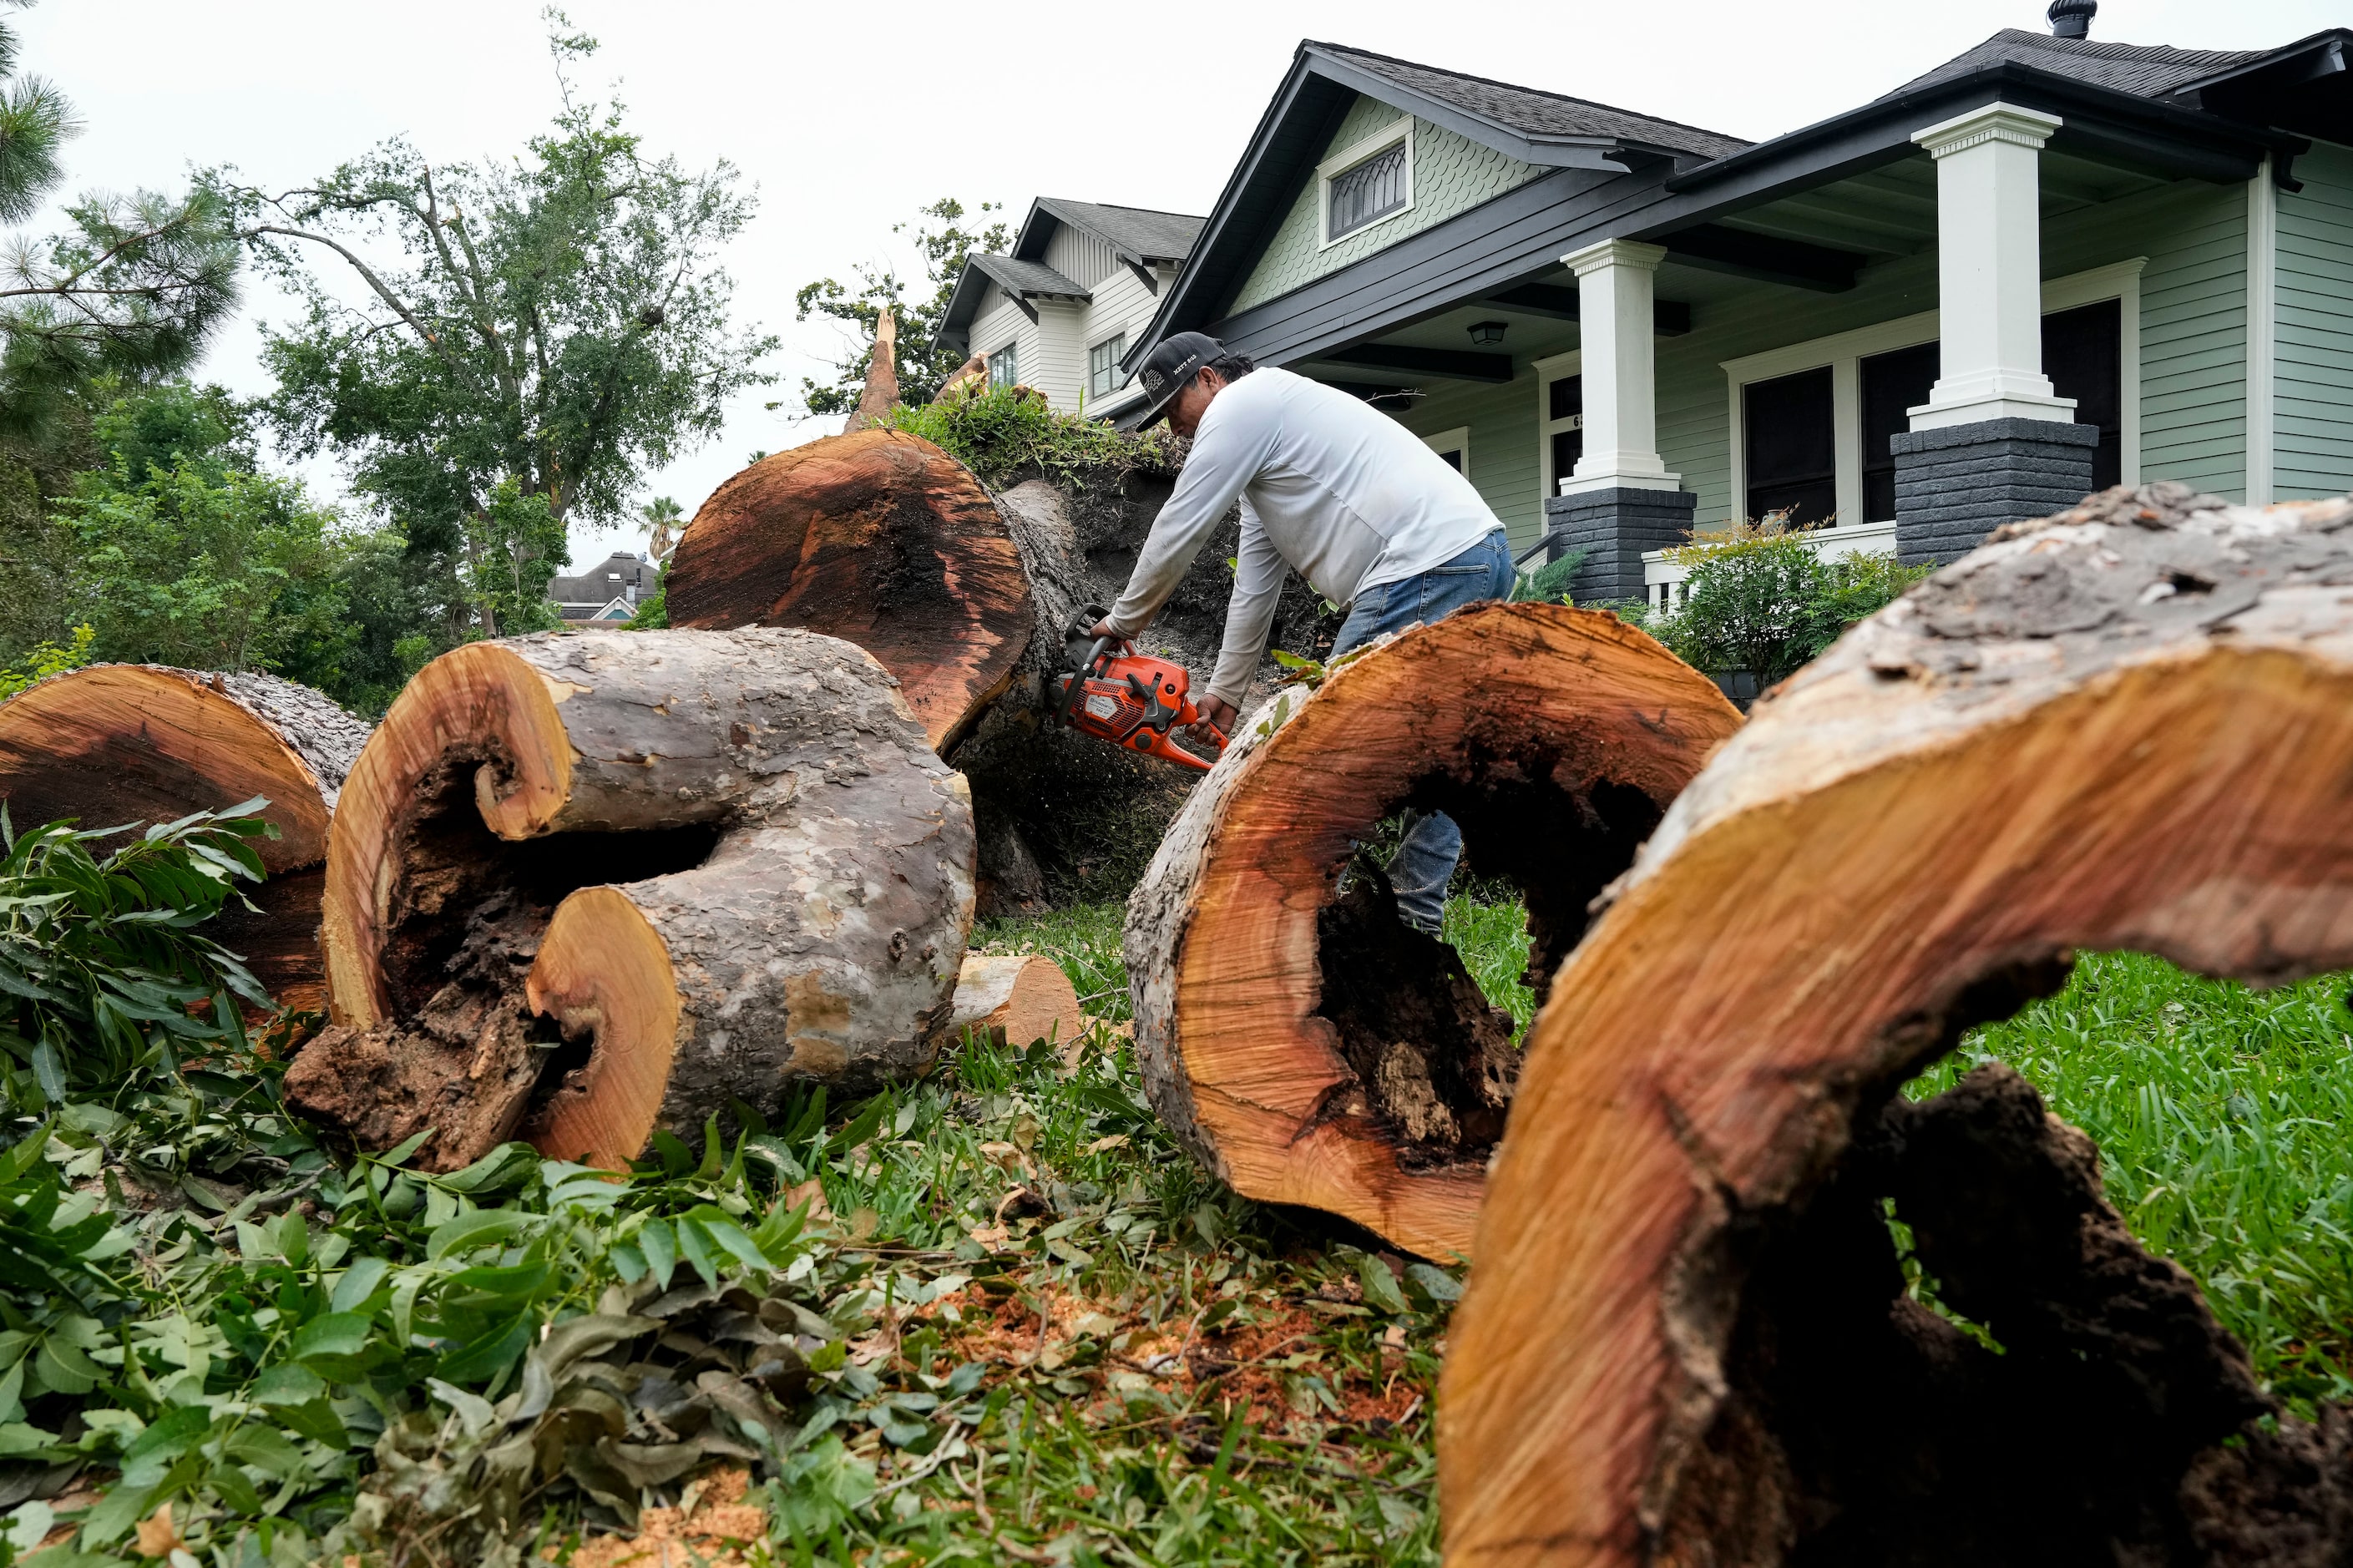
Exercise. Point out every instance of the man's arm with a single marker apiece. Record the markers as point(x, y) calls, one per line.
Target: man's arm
point(1224, 458)
point(1249, 613)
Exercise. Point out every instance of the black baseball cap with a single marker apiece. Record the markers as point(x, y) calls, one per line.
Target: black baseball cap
point(1169, 366)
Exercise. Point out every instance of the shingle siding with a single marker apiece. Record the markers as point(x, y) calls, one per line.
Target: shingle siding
point(1451, 174)
point(2313, 385)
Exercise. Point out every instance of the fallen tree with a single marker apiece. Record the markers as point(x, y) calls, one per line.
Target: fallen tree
point(589, 887)
point(1016, 999)
point(1300, 1040)
point(1689, 1338)
point(884, 539)
point(117, 744)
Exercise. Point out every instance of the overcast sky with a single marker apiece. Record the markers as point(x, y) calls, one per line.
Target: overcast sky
point(850, 116)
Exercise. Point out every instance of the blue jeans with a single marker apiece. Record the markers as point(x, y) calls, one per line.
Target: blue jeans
point(1425, 862)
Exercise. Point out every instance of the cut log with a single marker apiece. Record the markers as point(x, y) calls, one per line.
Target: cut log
point(1018, 999)
point(115, 744)
point(1688, 1338)
point(1302, 1042)
point(878, 538)
point(585, 888)
point(880, 393)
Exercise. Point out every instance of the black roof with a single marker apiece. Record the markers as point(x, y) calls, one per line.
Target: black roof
point(1139, 232)
point(1532, 112)
point(2150, 70)
point(1027, 278)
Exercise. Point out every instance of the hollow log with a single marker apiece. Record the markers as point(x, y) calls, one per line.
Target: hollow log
point(115, 744)
point(878, 538)
point(1300, 1040)
point(589, 887)
point(1688, 1338)
point(1018, 998)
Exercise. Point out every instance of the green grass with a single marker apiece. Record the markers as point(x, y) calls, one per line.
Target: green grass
point(2221, 1115)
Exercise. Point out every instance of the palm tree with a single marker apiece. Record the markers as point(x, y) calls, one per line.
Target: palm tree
point(660, 514)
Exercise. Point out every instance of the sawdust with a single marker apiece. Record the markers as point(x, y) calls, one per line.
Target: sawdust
point(708, 1528)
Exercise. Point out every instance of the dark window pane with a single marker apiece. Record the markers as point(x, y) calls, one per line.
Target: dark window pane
point(1567, 446)
point(2081, 351)
point(1452, 459)
point(1373, 189)
point(1566, 398)
point(1892, 384)
point(1791, 447)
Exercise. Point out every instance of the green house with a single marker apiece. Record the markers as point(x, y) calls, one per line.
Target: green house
point(2050, 265)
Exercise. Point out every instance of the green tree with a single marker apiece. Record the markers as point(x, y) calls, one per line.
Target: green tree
point(558, 321)
point(944, 243)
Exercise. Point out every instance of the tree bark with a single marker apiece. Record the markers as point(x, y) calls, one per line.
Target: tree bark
point(589, 887)
point(1301, 1041)
point(880, 393)
point(878, 538)
point(115, 744)
point(1689, 1338)
point(1018, 999)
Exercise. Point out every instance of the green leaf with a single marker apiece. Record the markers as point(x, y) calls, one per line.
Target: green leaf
point(490, 1354)
point(697, 1248)
point(660, 1250)
point(331, 1334)
point(360, 1281)
point(483, 1227)
point(1381, 1290)
point(289, 1385)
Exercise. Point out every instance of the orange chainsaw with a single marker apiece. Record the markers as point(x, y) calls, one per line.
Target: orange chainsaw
point(1113, 692)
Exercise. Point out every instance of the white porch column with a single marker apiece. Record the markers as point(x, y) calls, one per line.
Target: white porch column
point(1989, 269)
point(1614, 292)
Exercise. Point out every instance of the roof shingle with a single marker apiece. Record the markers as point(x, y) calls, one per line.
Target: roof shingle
point(1155, 236)
point(1028, 277)
point(2150, 70)
point(1534, 112)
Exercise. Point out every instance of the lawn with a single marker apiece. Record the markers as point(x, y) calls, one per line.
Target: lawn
point(991, 1316)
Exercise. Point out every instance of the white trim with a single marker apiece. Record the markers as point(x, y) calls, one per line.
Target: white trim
point(1555, 367)
point(1616, 314)
point(1455, 440)
point(1347, 158)
point(1842, 351)
point(2263, 335)
point(1994, 122)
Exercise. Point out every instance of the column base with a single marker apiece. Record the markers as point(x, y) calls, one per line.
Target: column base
point(1957, 483)
point(1614, 527)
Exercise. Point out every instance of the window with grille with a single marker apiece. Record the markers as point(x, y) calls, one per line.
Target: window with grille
point(1103, 366)
point(1004, 367)
point(1365, 192)
point(1564, 426)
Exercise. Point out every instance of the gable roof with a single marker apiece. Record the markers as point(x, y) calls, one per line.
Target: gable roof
point(1026, 280)
point(1527, 112)
point(1139, 233)
point(2149, 70)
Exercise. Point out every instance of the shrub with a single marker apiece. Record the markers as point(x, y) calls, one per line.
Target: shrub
point(1763, 602)
point(1006, 431)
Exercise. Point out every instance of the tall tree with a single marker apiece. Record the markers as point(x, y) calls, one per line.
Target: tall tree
point(557, 324)
point(942, 242)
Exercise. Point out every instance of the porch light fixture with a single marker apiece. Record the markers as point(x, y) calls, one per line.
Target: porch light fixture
point(1486, 332)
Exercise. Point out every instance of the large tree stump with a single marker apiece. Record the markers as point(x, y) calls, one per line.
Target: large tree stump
point(1687, 1339)
point(588, 886)
point(115, 744)
point(878, 538)
point(1306, 1043)
point(884, 539)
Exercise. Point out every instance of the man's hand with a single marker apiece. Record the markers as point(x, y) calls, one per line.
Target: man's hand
point(1102, 628)
point(1218, 712)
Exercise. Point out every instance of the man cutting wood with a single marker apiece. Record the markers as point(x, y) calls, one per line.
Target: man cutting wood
point(1332, 488)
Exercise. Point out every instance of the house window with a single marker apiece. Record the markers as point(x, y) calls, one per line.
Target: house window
point(1004, 367)
point(1893, 384)
point(1792, 447)
point(1369, 182)
point(1103, 366)
point(1454, 447)
point(2080, 354)
point(1564, 427)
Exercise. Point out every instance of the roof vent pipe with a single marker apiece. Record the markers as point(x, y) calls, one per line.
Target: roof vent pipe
point(2072, 18)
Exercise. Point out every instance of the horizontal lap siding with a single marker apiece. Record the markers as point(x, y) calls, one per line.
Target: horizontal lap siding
point(1503, 424)
point(1451, 174)
point(2313, 390)
point(2193, 339)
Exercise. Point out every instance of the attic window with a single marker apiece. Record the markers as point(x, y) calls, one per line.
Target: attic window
point(1369, 182)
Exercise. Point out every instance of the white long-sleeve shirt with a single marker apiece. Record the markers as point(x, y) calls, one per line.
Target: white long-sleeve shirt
point(1328, 485)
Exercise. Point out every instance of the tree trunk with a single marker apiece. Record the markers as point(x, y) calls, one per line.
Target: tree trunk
point(1689, 1338)
point(1019, 999)
point(878, 538)
point(115, 744)
point(880, 393)
point(884, 539)
point(1300, 1040)
point(592, 886)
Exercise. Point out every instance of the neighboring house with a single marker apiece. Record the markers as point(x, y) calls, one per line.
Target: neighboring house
point(1061, 311)
point(2052, 263)
point(609, 591)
